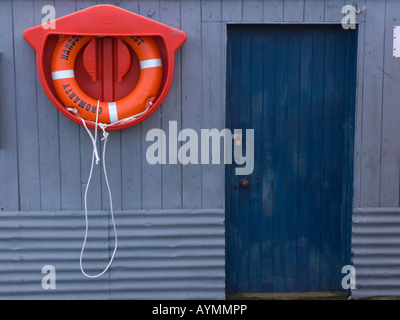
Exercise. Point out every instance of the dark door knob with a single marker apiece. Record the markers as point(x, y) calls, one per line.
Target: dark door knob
point(244, 183)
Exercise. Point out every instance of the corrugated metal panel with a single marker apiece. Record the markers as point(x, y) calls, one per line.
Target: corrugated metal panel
point(376, 253)
point(163, 254)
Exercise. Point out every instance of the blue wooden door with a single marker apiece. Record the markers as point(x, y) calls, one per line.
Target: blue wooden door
point(289, 231)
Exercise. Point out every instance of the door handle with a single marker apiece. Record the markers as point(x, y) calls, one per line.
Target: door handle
point(244, 183)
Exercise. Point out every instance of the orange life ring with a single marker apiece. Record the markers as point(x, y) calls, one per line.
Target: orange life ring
point(72, 96)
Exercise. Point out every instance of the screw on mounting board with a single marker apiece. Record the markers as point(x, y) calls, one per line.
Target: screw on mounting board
point(356, 8)
point(150, 13)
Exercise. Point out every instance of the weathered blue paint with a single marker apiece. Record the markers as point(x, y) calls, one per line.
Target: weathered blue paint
point(295, 86)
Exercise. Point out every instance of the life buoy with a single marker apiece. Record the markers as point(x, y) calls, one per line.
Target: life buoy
point(72, 96)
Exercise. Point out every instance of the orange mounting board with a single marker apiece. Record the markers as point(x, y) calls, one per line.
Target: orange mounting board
point(106, 68)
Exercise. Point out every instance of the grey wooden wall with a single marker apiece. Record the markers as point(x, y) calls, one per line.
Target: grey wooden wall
point(45, 159)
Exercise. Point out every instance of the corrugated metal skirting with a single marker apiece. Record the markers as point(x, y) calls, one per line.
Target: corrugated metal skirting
point(162, 254)
point(376, 251)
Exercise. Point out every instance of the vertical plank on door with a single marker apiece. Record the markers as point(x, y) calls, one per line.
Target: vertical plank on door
point(256, 124)
point(343, 143)
point(328, 159)
point(304, 154)
point(268, 168)
point(316, 144)
point(280, 150)
point(243, 197)
point(291, 175)
point(342, 246)
point(348, 146)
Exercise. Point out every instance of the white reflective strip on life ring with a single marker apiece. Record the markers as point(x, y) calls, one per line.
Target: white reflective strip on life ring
point(63, 74)
point(112, 110)
point(151, 63)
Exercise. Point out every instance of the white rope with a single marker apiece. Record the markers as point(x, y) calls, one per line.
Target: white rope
point(96, 156)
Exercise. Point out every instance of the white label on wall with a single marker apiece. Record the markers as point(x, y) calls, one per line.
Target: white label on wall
point(396, 42)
